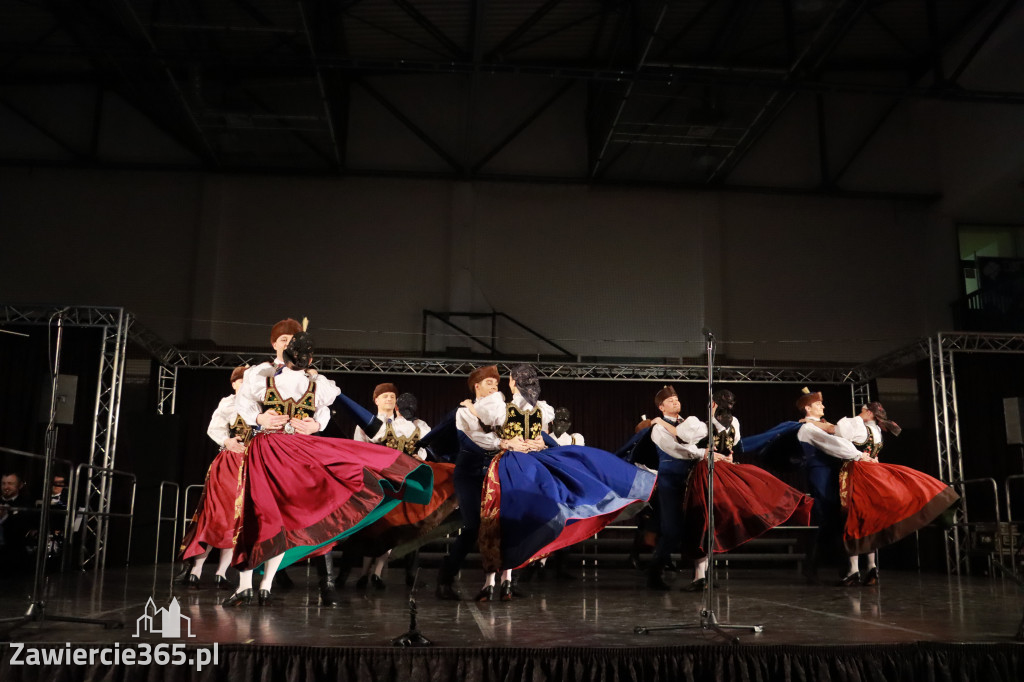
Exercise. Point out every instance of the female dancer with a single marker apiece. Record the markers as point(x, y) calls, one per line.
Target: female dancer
point(883, 503)
point(302, 493)
point(748, 501)
point(213, 524)
point(538, 499)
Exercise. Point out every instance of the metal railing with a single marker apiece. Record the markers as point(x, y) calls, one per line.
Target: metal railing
point(1011, 523)
point(160, 518)
point(185, 516)
point(971, 528)
point(86, 513)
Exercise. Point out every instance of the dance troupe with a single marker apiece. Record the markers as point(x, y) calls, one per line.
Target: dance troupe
point(524, 486)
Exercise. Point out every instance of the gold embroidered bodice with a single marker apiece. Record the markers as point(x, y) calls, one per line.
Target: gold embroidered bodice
point(527, 425)
point(725, 440)
point(407, 444)
point(239, 428)
point(302, 408)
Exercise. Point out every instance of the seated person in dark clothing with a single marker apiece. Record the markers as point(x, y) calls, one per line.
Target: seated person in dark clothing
point(58, 505)
point(18, 524)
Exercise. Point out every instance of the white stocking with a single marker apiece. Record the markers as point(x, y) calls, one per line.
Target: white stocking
point(197, 566)
point(700, 568)
point(269, 571)
point(226, 555)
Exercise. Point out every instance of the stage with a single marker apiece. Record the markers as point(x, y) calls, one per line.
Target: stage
point(911, 626)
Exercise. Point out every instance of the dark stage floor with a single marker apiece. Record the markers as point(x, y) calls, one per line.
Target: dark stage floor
point(599, 609)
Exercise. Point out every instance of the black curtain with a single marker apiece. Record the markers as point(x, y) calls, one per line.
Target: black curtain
point(715, 662)
point(982, 381)
point(25, 377)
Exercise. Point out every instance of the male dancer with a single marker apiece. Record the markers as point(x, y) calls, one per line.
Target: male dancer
point(478, 444)
point(865, 432)
point(400, 433)
point(560, 428)
point(675, 440)
point(824, 455)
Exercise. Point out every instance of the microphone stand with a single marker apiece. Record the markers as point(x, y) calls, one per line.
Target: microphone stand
point(708, 620)
point(37, 606)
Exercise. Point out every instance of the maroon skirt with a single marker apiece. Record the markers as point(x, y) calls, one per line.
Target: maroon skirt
point(303, 493)
point(748, 502)
point(213, 524)
point(886, 502)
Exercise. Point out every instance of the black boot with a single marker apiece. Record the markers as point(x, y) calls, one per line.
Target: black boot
point(655, 581)
point(810, 568)
point(516, 590)
point(325, 569)
point(446, 586)
point(283, 581)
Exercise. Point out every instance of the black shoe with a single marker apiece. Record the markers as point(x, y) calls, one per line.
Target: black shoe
point(850, 580)
point(361, 583)
point(448, 591)
point(486, 594)
point(192, 581)
point(327, 594)
point(378, 583)
point(657, 583)
point(517, 591)
point(870, 578)
point(698, 585)
point(672, 567)
point(634, 561)
point(185, 572)
point(505, 593)
point(222, 583)
point(265, 598)
point(240, 598)
point(534, 570)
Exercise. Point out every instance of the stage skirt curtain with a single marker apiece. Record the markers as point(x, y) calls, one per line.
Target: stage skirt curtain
point(409, 526)
point(304, 493)
point(213, 524)
point(748, 502)
point(536, 503)
point(886, 502)
point(710, 662)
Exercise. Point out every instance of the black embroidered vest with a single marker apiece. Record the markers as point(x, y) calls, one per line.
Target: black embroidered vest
point(869, 446)
point(725, 440)
point(527, 425)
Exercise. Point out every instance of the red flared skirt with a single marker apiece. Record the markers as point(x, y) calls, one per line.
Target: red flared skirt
point(886, 502)
point(748, 502)
point(407, 526)
point(213, 524)
point(303, 492)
